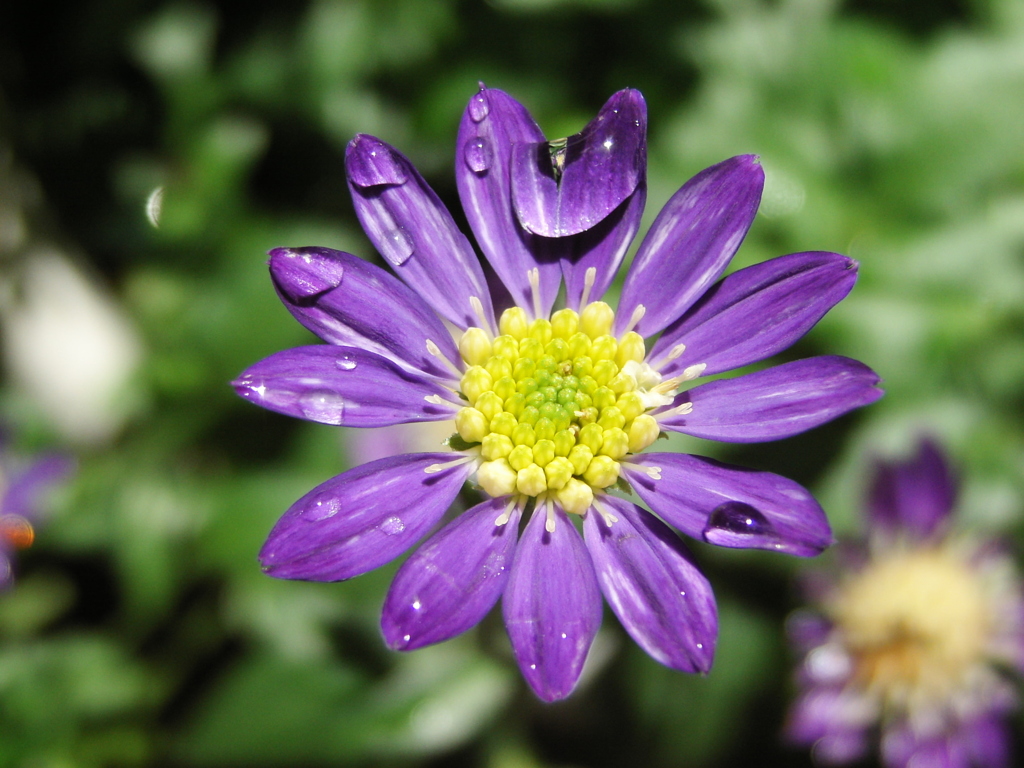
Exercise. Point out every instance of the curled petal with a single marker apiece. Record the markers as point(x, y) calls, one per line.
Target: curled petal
point(343, 386)
point(491, 125)
point(552, 606)
point(653, 586)
point(915, 496)
point(566, 187)
point(450, 583)
point(756, 312)
point(601, 248)
point(691, 242)
point(413, 231)
point(777, 402)
point(362, 518)
point(347, 301)
point(728, 505)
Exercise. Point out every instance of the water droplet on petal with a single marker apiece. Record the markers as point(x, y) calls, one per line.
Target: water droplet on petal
point(345, 364)
point(735, 524)
point(479, 154)
point(396, 246)
point(407, 638)
point(416, 604)
point(479, 107)
point(321, 509)
point(392, 526)
point(323, 406)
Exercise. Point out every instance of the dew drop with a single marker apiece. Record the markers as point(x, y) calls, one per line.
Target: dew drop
point(479, 107)
point(345, 364)
point(396, 246)
point(321, 509)
point(323, 406)
point(735, 524)
point(392, 526)
point(478, 154)
point(407, 638)
point(416, 605)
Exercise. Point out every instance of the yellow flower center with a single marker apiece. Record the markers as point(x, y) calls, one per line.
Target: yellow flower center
point(917, 622)
point(555, 404)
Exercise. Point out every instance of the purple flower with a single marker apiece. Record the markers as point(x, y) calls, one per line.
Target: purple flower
point(912, 643)
point(22, 490)
point(551, 410)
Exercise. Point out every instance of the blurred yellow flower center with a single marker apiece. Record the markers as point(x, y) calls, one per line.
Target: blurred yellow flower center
point(555, 404)
point(916, 621)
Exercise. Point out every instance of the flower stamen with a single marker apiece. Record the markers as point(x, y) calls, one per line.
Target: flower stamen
point(589, 278)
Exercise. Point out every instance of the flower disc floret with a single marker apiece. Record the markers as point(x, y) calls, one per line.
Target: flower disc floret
point(553, 401)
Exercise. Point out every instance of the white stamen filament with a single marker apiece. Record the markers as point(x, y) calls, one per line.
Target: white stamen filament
point(505, 516)
point(533, 275)
point(652, 472)
point(549, 524)
point(693, 371)
point(675, 352)
point(679, 410)
point(435, 468)
point(605, 513)
point(485, 324)
point(589, 278)
point(635, 318)
point(434, 350)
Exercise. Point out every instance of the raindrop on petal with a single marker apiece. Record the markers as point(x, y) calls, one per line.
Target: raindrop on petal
point(323, 406)
point(479, 107)
point(321, 509)
point(478, 154)
point(735, 524)
point(396, 246)
point(392, 526)
point(345, 364)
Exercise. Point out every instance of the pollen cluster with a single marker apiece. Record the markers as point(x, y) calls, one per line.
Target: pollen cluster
point(554, 404)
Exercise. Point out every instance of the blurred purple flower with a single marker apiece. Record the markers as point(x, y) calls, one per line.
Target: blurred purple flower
point(911, 644)
point(23, 487)
point(551, 410)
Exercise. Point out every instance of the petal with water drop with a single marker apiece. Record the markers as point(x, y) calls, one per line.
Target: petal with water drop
point(552, 606)
point(651, 583)
point(343, 386)
point(362, 518)
point(414, 232)
point(450, 583)
point(685, 490)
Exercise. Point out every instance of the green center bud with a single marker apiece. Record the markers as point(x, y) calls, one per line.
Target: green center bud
point(551, 405)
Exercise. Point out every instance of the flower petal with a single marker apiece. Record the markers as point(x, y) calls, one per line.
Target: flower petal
point(601, 248)
point(362, 518)
point(26, 489)
point(347, 301)
point(652, 584)
point(552, 606)
point(777, 402)
point(450, 583)
point(691, 242)
point(756, 312)
point(413, 231)
point(834, 718)
point(565, 187)
point(492, 124)
point(914, 496)
point(729, 506)
point(344, 386)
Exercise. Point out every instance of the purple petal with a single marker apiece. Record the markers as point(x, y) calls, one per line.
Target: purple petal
point(729, 506)
point(26, 489)
point(652, 584)
point(777, 402)
point(450, 583)
point(601, 248)
point(564, 188)
point(362, 518)
point(903, 748)
point(914, 496)
point(343, 386)
point(492, 124)
point(552, 606)
point(987, 740)
point(413, 231)
point(756, 312)
point(347, 301)
point(832, 719)
point(691, 242)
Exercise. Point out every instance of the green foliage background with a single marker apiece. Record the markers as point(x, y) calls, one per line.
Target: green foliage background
point(141, 630)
